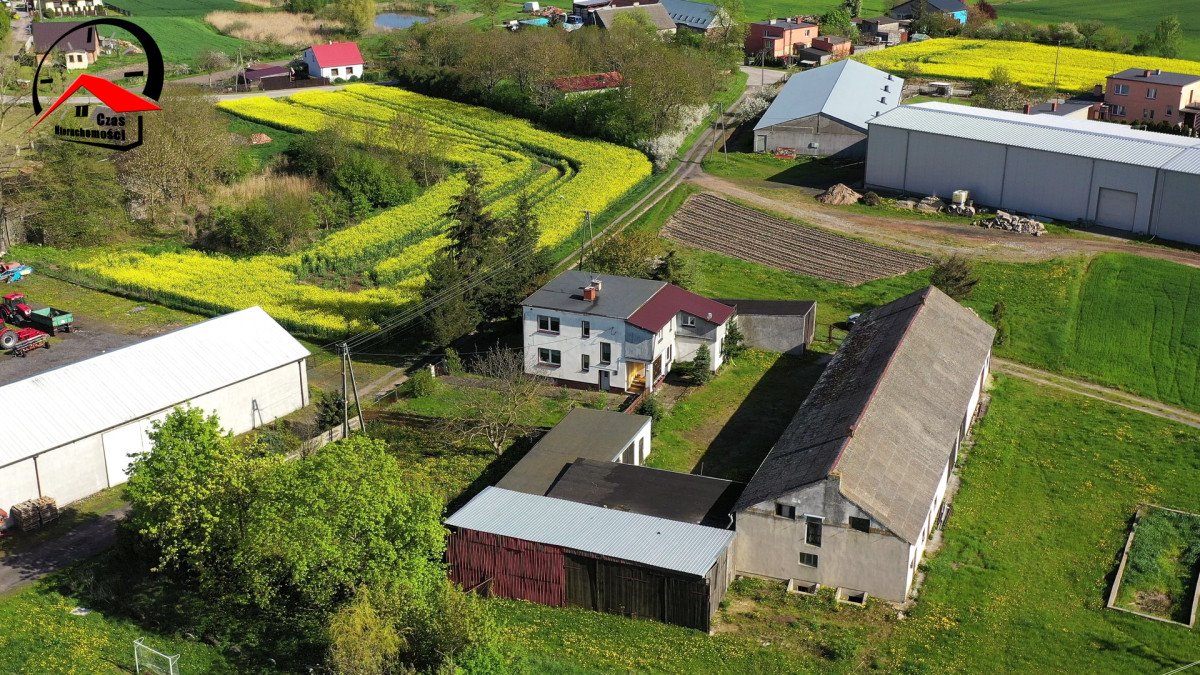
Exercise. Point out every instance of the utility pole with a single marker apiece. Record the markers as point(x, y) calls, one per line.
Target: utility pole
point(362, 421)
point(587, 216)
point(1057, 53)
point(345, 352)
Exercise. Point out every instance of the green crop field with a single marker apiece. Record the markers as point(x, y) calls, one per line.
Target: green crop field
point(176, 7)
point(1130, 16)
point(184, 39)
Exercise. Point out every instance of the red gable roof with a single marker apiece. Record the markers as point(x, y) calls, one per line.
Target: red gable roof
point(670, 300)
point(119, 99)
point(577, 83)
point(337, 54)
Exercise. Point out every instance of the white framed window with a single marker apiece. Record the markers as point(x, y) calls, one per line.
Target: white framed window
point(605, 352)
point(1121, 90)
point(689, 321)
point(1147, 113)
point(548, 324)
point(812, 530)
point(586, 329)
point(549, 357)
point(1118, 111)
point(1151, 93)
point(585, 363)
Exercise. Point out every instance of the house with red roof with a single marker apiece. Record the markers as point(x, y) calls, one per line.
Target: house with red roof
point(588, 84)
point(617, 334)
point(336, 61)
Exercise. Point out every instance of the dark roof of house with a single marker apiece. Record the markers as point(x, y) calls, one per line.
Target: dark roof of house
point(619, 297)
point(884, 415)
point(944, 6)
point(584, 433)
point(880, 20)
point(257, 73)
point(771, 307)
point(656, 13)
point(1071, 105)
point(670, 300)
point(684, 497)
point(1155, 76)
point(79, 39)
point(832, 39)
point(592, 82)
point(785, 24)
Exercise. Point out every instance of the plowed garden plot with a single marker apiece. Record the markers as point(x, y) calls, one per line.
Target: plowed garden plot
point(717, 225)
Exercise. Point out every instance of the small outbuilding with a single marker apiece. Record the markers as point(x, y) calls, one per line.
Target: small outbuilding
point(562, 553)
point(824, 111)
point(784, 326)
point(334, 61)
point(73, 431)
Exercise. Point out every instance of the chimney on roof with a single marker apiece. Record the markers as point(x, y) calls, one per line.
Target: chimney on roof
point(1054, 106)
point(1028, 109)
point(1098, 90)
point(1158, 71)
point(1147, 73)
point(771, 21)
point(592, 291)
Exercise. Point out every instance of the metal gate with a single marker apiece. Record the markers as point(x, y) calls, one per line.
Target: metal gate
point(1116, 209)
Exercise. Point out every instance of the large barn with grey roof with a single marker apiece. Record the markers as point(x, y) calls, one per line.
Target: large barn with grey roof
point(851, 492)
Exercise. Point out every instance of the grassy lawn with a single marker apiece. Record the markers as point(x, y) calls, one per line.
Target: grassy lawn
point(176, 7)
point(1160, 576)
point(260, 155)
point(452, 398)
point(726, 427)
point(810, 172)
point(115, 313)
point(957, 100)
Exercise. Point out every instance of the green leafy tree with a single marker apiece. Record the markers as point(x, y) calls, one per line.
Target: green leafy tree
point(1001, 92)
point(451, 312)
point(361, 640)
point(839, 22)
point(1167, 37)
point(472, 228)
point(626, 254)
point(674, 269)
point(490, 9)
point(515, 261)
point(955, 276)
point(358, 16)
point(702, 365)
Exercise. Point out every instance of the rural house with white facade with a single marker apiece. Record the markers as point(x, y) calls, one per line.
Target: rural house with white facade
point(856, 485)
point(618, 334)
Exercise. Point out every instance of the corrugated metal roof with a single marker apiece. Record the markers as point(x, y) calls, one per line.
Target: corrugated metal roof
point(84, 398)
point(847, 91)
point(658, 542)
point(1051, 133)
point(699, 15)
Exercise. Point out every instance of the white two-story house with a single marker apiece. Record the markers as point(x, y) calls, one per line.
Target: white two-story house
point(617, 334)
point(856, 485)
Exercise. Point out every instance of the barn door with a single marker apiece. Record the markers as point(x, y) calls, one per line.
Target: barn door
point(581, 574)
point(1116, 209)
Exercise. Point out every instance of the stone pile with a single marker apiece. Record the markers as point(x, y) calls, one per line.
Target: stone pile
point(839, 195)
point(1013, 223)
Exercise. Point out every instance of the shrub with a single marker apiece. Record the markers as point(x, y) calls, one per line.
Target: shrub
point(653, 408)
point(955, 276)
point(420, 384)
point(872, 199)
point(734, 341)
point(702, 365)
point(454, 362)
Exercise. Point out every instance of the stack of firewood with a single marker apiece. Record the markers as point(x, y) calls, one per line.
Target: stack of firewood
point(31, 514)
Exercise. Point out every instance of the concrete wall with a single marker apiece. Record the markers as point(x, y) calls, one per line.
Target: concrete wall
point(770, 546)
point(73, 471)
point(831, 137)
point(773, 333)
point(1175, 213)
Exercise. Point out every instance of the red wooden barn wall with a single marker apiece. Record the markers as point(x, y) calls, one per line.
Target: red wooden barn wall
point(518, 569)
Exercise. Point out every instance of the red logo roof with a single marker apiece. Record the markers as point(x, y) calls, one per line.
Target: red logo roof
point(118, 98)
point(337, 54)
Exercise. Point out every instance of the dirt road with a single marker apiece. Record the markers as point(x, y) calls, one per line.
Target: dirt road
point(933, 236)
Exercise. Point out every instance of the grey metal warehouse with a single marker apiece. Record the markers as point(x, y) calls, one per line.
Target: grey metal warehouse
point(1139, 182)
point(72, 431)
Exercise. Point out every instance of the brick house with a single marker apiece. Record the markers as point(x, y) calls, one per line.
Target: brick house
point(780, 38)
point(1153, 96)
point(839, 47)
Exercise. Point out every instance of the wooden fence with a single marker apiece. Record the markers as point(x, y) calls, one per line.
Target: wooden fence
point(326, 437)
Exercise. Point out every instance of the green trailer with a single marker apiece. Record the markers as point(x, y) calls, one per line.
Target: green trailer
point(47, 319)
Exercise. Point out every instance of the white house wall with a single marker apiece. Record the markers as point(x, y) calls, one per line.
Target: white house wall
point(573, 345)
point(276, 393)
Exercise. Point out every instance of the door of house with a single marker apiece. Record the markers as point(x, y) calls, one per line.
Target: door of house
point(760, 143)
point(604, 379)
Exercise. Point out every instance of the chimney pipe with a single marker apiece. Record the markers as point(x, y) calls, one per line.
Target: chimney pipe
point(1054, 106)
point(1158, 71)
point(1147, 73)
point(1028, 109)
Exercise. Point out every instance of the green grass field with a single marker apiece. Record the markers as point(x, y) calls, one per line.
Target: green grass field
point(183, 38)
point(176, 7)
point(1160, 576)
point(1131, 16)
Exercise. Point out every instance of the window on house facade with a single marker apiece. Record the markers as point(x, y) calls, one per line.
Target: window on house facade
point(1152, 93)
point(689, 321)
point(860, 524)
point(1122, 90)
point(585, 362)
point(808, 559)
point(587, 329)
point(785, 511)
point(605, 352)
point(1170, 112)
point(1147, 113)
point(1118, 111)
point(548, 324)
point(549, 357)
point(812, 531)
point(668, 353)
point(333, 71)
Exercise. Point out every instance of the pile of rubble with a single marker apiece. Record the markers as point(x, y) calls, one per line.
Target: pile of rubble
point(1012, 223)
point(839, 195)
point(930, 204)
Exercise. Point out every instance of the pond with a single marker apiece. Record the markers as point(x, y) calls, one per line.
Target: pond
point(393, 21)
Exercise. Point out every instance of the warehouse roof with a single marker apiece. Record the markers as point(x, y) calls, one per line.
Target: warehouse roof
point(672, 495)
point(847, 91)
point(657, 542)
point(584, 433)
point(885, 413)
point(698, 15)
point(619, 297)
point(87, 397)
point(1155, 76)
point(1051, 133)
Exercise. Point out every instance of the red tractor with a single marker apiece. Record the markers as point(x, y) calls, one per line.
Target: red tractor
point(14, 310)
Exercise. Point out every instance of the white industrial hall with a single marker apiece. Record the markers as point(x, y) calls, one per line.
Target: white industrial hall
point(72, 431)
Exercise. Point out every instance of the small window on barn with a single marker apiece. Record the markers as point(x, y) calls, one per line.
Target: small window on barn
point(812, 531)
point(860, 524)
point(808, 559)
point(785, 511)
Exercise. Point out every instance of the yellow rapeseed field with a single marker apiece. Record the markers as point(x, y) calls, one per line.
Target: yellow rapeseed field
point(1027, 63)
point(388, 252)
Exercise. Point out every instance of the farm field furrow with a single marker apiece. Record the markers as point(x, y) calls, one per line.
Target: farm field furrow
point(1029, 64)
point(388, 252)
point(714, 224)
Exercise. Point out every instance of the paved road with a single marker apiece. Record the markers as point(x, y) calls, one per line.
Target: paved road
point(762, 76)
point(1096, 391)
point(90, 538)
point(19, 31)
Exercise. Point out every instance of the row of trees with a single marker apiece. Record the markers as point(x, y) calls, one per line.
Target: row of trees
point(338, 543)
point(514, 73)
